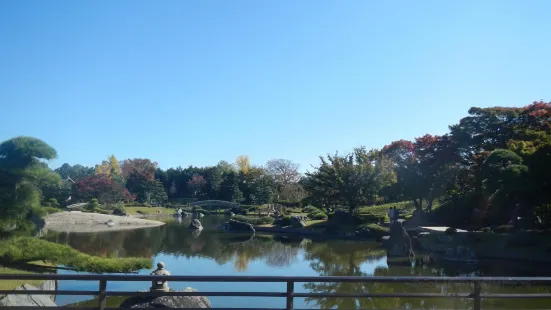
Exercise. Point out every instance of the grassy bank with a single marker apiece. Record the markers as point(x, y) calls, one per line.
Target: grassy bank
point(13, 284)
point(26, 249)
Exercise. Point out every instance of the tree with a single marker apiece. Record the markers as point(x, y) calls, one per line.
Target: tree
point(158, 192)
point(105, 189)
point(229, 188)
point(243, 164)
point(353, 179)
point(22, 174)
point(196, 185)
point(140, 177)
point(423, 168)
point(109, 167)
point(283, 171)
point(75, 172)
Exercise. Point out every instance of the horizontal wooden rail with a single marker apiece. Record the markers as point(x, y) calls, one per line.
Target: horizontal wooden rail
point(289, 294)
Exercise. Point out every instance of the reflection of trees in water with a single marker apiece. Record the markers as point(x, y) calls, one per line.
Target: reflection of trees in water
point(345, 259)
point(327, 258)
point(176, 239)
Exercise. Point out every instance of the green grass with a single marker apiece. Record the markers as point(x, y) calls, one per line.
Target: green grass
point(27, 249)
point(376, 228)
point(148, 210)
point(13, 284)
point(382, 210)
point(315, 222)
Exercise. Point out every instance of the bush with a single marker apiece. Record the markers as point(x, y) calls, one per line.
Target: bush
point(140, 212)
point(100, 211)
point(254, 220)
point(379, 228)
point(320, 216)
point(367, 218)
point(28, 249)
point(310, 209)
point(93, 204)
point(51, 210)
point(317, 216)
point(486, 230)
point(285, 221)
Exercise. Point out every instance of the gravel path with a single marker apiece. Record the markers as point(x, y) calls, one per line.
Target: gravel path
point(76, 221)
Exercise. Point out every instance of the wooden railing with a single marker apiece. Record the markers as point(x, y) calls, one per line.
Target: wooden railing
point(102, 293)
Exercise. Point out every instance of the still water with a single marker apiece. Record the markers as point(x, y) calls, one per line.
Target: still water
point(211, 252)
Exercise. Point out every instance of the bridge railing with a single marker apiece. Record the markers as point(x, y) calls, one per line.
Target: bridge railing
point(289, 294)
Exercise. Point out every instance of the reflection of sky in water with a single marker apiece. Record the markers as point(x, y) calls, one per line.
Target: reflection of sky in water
point(204, 266)
point(277, 256)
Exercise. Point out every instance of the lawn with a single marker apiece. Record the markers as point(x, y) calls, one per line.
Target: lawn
point(13, 284)
point(149, 210)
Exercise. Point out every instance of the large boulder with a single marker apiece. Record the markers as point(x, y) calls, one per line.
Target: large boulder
point(26, 300)
point(399, 242)
point(168, 301)
point(195, 225)
point(237, 226)
point(298, 221)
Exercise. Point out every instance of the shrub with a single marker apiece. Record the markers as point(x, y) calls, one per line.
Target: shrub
point(254, 220)
point(377, 229)
point(285, 221)
point(310, 209)
point(486, 230)
point(92, 204)
point(320, 216)
point(317, 216)
point(51, 210)
point(28, 249)
point(367, 218)
point(140, 212)
point(100, 211)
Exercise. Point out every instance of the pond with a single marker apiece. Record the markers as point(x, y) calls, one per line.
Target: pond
point(212, 252)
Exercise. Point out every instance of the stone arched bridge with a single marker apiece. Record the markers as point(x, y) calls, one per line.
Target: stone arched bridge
point(219, 203)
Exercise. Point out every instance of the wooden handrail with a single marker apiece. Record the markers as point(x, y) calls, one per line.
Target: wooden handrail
point(102, 293)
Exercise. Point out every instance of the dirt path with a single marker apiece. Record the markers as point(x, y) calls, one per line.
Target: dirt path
point(76, 221)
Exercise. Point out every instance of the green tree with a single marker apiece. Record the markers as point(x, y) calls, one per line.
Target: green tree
point(22, 174)
point(352, 180)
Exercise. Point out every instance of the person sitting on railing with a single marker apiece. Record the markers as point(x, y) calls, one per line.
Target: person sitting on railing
point(160, 285)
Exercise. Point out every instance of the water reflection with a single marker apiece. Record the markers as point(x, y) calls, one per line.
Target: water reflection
point(272, 255)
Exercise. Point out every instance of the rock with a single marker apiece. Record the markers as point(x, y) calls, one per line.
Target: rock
point(49, 285)
point(399, 243)
point(26, 300)
point(232, 214)
point(168, 301)
point(298, 221)
point(237, 226)
point(195, 225)
point(185, 214)
point(110, 223)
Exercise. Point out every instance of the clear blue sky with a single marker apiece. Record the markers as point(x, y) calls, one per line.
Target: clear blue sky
point(195, 82)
